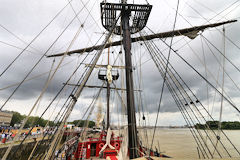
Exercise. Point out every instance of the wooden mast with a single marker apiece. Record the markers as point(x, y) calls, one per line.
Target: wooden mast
point(132, 129)
point(108, 94)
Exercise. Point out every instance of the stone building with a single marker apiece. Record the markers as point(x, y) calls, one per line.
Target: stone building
point(5, 118)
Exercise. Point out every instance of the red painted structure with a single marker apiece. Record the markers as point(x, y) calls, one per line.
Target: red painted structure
point(92, 146)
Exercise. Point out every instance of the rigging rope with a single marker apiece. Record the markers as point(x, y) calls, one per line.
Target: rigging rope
point(162, 73)
point(208, 114)
point(203, 107)
point(80, 88)
point(11, 45)
point(215, 16)
point(42, 92)
point(210, 20)
point(89, 14)
point(91, 106)
point(61, 91)
point(220, 66)
point(74, 89)
point(17, 37)
point(50, 104)
point(205, 68)
point(34, 40)
point(221, 106)
point(211, 74)
point(170, 87)
point(43, 57)
point(222, 54)
point(164, 78)
point(176, 82)
point(234, 106)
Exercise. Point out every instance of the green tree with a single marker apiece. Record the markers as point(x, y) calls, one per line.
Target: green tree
point(16, 118)
point(91, 124)
point(31, 122)
point(214, 125)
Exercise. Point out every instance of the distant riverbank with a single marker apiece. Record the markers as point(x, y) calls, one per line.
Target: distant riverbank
point(215, 125)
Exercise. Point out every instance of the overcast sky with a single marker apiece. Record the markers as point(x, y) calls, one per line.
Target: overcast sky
point(22, 20)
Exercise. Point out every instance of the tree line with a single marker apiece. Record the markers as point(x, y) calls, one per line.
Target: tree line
point(17, 118)
point(214, 125)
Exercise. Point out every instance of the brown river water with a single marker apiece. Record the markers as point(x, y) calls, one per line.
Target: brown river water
point(179, 143)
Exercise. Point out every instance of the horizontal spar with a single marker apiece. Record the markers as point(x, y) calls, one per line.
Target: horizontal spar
point(121, 89)
point(189, 32)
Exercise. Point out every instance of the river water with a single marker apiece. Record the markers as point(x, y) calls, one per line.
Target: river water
point(179, 143)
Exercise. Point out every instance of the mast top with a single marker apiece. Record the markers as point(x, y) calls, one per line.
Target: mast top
point(139, 14)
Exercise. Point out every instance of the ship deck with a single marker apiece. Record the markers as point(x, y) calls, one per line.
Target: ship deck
point(160, 158)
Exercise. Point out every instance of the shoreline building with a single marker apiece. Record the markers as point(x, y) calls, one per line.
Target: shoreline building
point(5, 118)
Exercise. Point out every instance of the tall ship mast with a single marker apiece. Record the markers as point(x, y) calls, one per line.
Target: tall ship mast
point(125, 26)
point(140, 16)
